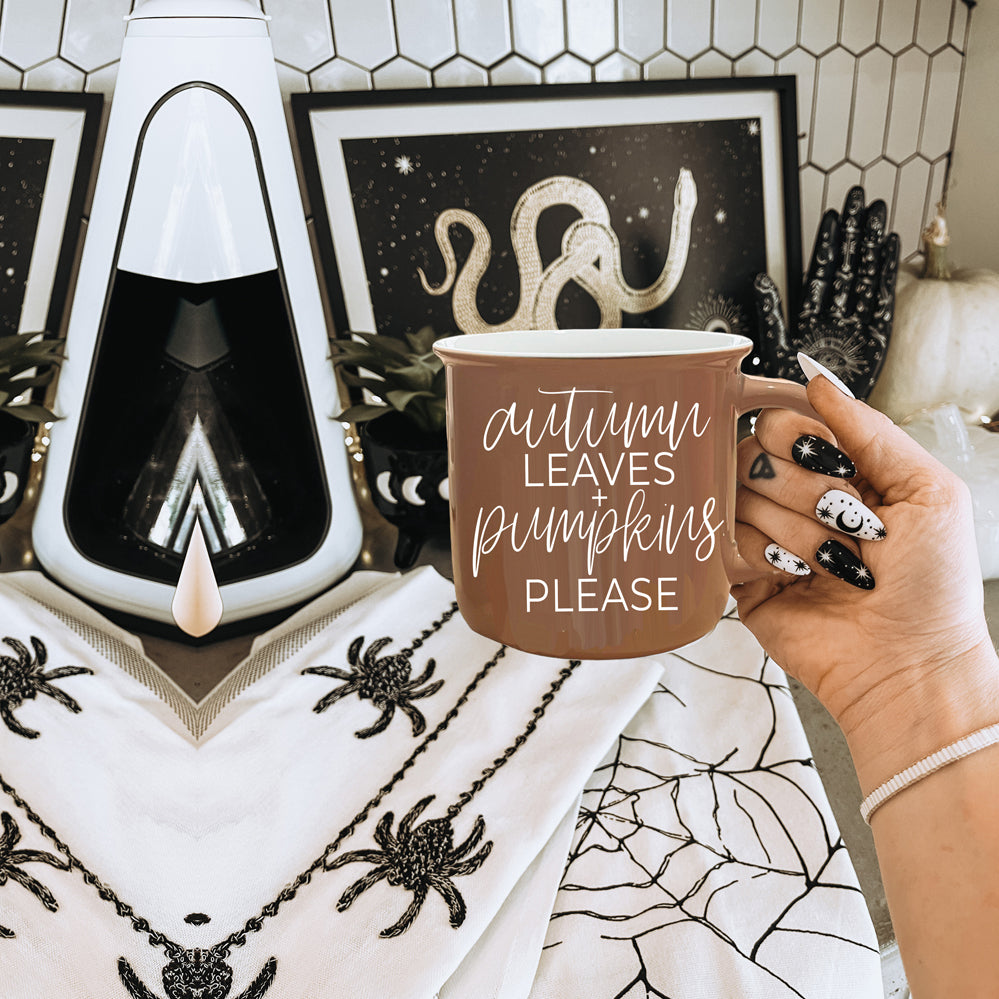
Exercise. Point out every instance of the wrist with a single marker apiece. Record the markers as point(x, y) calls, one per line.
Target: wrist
point(921, 710)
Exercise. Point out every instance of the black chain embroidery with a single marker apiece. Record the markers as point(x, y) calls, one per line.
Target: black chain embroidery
point(22, 679)
point(107, 894)
point(425, 857)
point(254, 923)
point(429, 847)
point(10, 867)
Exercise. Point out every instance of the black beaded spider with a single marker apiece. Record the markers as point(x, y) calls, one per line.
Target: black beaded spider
point(10, 861)
point(197, 974)
point(417, 859)
point(385, 682)
point(22, 679)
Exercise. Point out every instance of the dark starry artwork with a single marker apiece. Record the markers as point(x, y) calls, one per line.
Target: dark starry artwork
point(24, 165)
point(400, 186)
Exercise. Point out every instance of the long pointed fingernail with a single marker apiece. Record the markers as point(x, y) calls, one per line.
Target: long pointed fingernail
point(781, 558)
point(818, 455)
point(837, 559)
point(847, 514)
point(811, 367)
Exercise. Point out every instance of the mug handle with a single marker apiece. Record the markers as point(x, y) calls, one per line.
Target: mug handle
point(755, 392)
point(773, 393)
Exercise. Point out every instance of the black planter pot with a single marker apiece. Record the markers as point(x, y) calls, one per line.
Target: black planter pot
point(17, 439)
point(407, 475)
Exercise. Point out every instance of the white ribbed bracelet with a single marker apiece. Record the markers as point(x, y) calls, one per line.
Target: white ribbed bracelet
point(981, 739)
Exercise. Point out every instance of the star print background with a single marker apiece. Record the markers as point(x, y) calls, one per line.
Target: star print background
point(24, 165)
point(400, 185)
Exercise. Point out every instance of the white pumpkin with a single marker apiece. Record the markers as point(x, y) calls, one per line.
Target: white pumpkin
point(944, 345)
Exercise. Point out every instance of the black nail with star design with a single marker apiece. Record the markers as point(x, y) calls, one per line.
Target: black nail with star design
point(818, 455)
point(838, 560)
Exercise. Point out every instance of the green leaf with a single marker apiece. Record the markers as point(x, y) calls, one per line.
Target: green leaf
point(30, 357)
point(388, 346)
point(31, 412)
point(361, 413)
point(356, 381)
point(401, 398)
point(24, 384)
point(422, 341)
point(413, 376)
point(438, 414)
point(360, 356)
point(16, 345)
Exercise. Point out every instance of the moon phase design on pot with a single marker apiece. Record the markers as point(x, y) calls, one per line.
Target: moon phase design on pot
point(382, 485)
point(409, 490)
point(847, 514)
point(10, 484)
point(407, 476)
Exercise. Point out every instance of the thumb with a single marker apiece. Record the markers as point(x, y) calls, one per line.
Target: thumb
point(885, 455)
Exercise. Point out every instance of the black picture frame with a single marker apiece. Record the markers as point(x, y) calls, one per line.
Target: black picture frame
point(381, 166)
point(50, 139)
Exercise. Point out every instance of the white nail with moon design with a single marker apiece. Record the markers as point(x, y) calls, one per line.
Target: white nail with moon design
point(781, 558)
point(847, 514)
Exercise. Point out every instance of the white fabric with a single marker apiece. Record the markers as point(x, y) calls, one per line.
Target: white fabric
point(214, 808)
point(707, 862)
point(219, 826)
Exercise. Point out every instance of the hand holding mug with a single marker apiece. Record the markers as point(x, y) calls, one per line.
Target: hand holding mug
point(874, 601)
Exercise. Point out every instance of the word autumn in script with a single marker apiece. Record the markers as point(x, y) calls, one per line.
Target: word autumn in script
point(575, 446)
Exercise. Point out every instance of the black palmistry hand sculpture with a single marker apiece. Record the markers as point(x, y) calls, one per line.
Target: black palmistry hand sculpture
point(848, 300)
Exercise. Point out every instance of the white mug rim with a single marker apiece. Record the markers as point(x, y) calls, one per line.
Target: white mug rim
point(597, 343)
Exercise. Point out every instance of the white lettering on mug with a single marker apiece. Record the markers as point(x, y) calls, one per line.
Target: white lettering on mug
point(565, 441)
point(598, 531)
point(574, 429)
point(555, 469)
point(590, 595)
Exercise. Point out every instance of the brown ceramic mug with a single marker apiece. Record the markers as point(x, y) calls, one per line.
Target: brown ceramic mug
point(592, 484)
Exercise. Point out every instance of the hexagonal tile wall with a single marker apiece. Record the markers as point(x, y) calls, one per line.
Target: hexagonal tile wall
point(879, 81)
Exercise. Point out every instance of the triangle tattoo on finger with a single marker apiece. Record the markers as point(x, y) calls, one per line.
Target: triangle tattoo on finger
point(762, 468)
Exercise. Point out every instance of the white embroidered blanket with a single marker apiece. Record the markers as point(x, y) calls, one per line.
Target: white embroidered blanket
point(380, 803)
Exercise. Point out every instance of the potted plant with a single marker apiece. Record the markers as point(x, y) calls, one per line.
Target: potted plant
point(402, 431)
point(27, 361)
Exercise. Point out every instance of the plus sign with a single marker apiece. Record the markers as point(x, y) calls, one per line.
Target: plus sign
point(600, 498)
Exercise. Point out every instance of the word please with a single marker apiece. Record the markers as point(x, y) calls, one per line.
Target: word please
point(589, 595)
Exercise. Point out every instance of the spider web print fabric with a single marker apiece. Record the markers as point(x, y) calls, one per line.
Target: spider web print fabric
point(705, 860)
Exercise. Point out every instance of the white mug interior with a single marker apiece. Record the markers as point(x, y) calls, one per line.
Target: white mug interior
point(593, 343)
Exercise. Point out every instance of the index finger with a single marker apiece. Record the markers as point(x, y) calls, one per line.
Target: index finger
point(888, 458)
